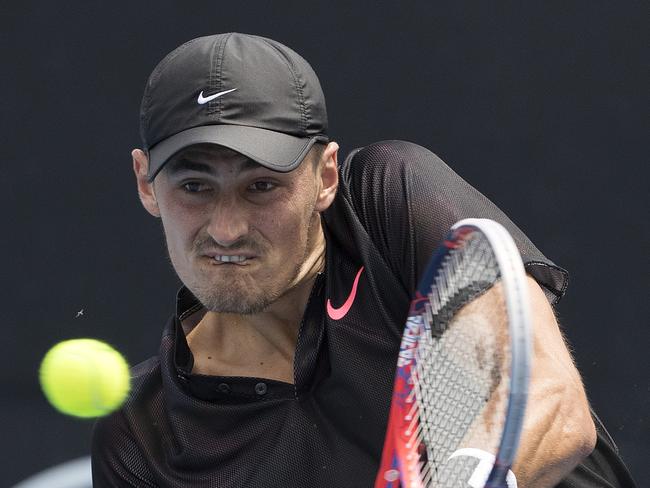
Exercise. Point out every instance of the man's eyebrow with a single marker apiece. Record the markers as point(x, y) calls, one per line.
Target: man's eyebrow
point(182, 164)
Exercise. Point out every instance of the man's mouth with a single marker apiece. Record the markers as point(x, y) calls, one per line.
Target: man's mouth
point(239, 256)
point(230, 258)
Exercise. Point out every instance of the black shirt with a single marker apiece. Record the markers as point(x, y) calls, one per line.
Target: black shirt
point(395, 202)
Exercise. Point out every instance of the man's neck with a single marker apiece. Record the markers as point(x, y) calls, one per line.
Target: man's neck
point(256, 345)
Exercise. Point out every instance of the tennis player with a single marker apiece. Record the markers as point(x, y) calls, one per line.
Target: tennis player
point(277, 367)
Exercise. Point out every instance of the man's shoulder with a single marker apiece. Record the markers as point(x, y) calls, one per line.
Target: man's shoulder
point(145, 382)
point(377, 187)
point(118, 445)
point(146, 379)
point(387, 174)
point(146, 369)
point(388, 151)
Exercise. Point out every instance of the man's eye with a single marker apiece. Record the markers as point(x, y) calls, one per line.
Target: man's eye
point(262, 186)
point(194, 187)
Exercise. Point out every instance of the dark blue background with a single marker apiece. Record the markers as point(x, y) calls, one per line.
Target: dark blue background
point(541, 105)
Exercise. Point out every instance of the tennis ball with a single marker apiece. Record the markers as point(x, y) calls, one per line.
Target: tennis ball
point(84, 378)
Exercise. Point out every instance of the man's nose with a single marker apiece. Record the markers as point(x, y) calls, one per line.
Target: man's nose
point(228, 222)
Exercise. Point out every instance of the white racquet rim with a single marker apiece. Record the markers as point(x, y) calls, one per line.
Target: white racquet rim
point(515, 286)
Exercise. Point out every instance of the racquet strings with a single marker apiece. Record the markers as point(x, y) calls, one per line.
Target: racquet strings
point(462, 365)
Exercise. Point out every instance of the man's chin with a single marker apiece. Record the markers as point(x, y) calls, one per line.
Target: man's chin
point(240, 292)
point(236, 298)
point(234, 305)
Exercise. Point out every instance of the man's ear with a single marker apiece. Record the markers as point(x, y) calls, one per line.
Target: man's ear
point(145, 188)
point(329, 177)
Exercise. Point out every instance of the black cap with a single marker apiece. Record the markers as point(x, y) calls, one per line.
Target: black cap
point(248, 93)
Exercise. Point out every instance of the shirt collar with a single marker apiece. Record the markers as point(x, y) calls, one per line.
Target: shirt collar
point(186, 303)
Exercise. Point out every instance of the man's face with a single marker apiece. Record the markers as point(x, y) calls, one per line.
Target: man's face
point(238, 234)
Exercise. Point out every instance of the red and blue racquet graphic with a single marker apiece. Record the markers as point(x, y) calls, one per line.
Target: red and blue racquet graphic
point(462, 373)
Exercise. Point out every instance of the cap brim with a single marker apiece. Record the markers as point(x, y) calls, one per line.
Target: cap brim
point(274, 150)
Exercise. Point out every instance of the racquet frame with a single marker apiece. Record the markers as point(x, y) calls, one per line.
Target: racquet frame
point(400, 464)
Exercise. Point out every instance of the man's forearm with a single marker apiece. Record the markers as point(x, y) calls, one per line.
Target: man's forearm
point(558, 429)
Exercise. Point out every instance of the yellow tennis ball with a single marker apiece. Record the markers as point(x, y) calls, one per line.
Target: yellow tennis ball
point(84, 378)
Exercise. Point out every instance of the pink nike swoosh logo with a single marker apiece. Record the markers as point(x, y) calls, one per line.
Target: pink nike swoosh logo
point(339, 313)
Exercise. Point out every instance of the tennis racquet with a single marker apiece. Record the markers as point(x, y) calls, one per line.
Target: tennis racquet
point(462, 373)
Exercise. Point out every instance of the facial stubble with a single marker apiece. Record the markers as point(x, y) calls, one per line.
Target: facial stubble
point(244, 295)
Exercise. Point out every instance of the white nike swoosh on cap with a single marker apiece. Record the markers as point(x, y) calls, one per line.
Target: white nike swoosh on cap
point(201, 100)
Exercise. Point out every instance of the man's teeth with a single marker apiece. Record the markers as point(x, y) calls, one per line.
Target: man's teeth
point(230, 259)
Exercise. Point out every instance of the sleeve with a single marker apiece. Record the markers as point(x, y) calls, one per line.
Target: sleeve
point(115, 457)
point(407, 199)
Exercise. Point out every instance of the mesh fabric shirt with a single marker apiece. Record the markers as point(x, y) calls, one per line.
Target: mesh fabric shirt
point(395, 203)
